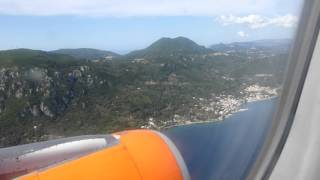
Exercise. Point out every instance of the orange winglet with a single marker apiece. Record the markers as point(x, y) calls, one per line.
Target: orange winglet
point(141, 154)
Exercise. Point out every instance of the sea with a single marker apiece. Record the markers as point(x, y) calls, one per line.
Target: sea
point(227, 149)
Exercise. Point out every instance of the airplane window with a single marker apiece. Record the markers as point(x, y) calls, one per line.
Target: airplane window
point(204, 75)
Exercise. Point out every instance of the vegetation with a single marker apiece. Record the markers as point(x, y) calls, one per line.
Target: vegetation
point(46, 95)
point(86, 53)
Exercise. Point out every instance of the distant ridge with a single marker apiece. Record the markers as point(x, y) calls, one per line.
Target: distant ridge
point(86, 53)
point(31, 57)
point(264, 43)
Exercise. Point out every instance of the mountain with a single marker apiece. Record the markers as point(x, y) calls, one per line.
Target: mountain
point(87, 53)
point(40, 91)
point(45, 95)
point(168, 47)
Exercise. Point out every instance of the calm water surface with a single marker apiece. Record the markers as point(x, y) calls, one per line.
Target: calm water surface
point(224, 150)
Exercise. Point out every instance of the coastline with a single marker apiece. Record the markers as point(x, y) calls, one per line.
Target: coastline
point(218, 120)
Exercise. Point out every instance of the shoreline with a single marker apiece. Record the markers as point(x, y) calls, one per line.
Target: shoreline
point(217, 120)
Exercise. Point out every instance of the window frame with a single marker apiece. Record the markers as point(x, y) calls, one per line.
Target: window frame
point(299, 60)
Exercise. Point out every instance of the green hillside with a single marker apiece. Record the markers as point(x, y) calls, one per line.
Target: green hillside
point(45, 95)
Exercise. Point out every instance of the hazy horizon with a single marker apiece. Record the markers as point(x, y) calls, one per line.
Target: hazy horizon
point(122, 26)
point(122, 52)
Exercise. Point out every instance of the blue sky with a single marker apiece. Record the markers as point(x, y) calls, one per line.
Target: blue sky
point(126, 25)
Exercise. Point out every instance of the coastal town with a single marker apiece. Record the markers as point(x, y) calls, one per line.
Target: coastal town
point(216, 108)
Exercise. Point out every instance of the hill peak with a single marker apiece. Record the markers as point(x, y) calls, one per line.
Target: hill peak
point(170, 47)
point(178, 41)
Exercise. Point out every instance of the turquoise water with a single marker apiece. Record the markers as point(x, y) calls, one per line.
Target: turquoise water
point(224, 150)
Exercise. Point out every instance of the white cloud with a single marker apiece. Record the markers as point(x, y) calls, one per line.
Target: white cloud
point(242, 34)
point(258, 21)
point(136, 7)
